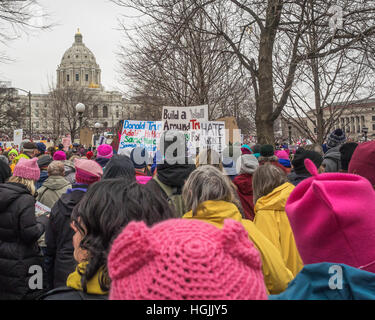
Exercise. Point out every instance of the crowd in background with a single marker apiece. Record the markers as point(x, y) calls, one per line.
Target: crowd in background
point(256, 222)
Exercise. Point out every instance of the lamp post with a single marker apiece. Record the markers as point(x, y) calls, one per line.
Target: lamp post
point(30, 125)
point(97, 127)
point(290, 134)
point(80, 108)
point(365, 131)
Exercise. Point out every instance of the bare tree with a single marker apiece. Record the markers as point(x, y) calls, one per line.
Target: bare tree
point(256, 30)
point(183, 67)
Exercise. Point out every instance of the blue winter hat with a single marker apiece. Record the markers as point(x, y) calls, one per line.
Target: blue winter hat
point(41, 147)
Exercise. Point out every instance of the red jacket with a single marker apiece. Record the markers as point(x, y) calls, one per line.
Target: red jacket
point(244, 183)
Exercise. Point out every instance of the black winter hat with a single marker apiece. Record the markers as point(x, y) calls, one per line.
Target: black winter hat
point(256, 148)
point(299, 158)
point(267, 150)
point(347, 151)
point(29, 146)
point(5, 172)
point(44, 161)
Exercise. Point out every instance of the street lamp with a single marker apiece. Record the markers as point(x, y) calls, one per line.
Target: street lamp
point(365, 131)
point(30, 125)
point(290, 134)
point(80, 108)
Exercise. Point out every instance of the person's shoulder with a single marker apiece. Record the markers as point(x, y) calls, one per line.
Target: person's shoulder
point(67, 293)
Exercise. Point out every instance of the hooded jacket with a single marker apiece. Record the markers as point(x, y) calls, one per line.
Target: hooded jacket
point(52, 190)
point(320, 281)
point(102, 161)
point(295, 178)
point(19, 233)
point(272, 220)
point(70, 172)
point(332, 159)
point(60, 262)
point(276, 274)
point(244, 183)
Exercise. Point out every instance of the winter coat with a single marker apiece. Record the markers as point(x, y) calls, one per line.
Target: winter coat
point(53, 188)
point(60, 261)
point(19, 233)
point(43, 177)
point(70, 172)
point(295, 178)
point(272, 220)
point(332, 159)
point(276, 274)
point(73, 289)
point(320, 281)
point(245, 192)
point(274, 161)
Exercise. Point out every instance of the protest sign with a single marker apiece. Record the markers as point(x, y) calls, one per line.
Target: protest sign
point(17, 137)
point(67, 141)
point(41, 209)
point(184, 118)
point(212, 135)
point(144, 134)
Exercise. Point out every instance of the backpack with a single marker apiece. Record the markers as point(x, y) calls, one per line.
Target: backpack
point(173, 196)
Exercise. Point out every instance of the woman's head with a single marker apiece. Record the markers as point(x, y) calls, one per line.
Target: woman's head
point(56, 168)
point(207, 183)
point(120, 166)
point(265, 179)
point(30, 184)
point(107, 207)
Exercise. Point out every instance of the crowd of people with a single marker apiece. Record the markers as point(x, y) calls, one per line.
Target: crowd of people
point(255, 222)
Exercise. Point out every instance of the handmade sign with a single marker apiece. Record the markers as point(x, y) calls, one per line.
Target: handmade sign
point(184, 118)
point(144, 134)
point(17, 137)
point(67, 141)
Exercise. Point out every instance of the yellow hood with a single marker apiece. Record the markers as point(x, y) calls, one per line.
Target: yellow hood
point(276, 200)
point(215, 212)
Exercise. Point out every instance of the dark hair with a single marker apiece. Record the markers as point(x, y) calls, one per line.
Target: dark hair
point(120, 166)
point(107, 207)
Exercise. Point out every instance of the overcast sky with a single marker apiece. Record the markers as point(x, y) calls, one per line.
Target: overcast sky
point(37, 57)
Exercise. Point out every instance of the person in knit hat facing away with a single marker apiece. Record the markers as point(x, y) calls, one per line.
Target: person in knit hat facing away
point(141, 159)
point(246, 165)
point(185, 260)
point(346, 151)
point(332, 158)
point(69, 168)
point(120, 166)
point(332, 226)
point(211, 197)
point(245, 149)
point(267, 155)
point(271, 191)
point(299, 172)
point(104, 154)
point(107, 207)
point(284, 160)
point(41, 149)
point(362, 161)
point(60, 262)
point(20, 231)
point(89, 155)
point(43, 163)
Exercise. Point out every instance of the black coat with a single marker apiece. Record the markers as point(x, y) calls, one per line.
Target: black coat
point(59, 238)
point(19, 233)
point(66, 293)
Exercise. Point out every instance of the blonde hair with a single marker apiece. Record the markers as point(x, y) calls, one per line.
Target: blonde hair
point(26, 182)
point(209, 157)
point(208, 183)
point(265, 179)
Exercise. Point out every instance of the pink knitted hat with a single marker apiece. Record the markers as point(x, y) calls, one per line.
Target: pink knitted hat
point(333, 219)
point(281, 154)
point(104, 151)
point(181, 259)
point(59, 156)
point(27, 168)
point(87, 171)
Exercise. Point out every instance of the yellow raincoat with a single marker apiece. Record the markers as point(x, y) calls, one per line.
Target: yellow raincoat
point(276, 274)
point(272, 220)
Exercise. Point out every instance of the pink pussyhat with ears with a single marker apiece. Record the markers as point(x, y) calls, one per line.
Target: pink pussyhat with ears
point(332, 216)
point(27, 169)
point(181, 259)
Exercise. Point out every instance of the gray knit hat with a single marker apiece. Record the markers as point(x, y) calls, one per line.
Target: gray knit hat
point(336, 138)
point(247, 163)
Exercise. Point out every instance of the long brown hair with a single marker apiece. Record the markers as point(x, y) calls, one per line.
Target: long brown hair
point(265, 179)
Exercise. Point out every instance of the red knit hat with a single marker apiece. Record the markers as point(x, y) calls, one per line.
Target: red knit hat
point(182, 259)
point(87, 171)
point(27, 168)
point(363, 161)
point(89, 155)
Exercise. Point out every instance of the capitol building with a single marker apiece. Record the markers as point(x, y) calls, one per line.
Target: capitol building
point(78, 78)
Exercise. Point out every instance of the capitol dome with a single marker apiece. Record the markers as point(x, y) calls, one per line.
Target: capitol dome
point(78, 66)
